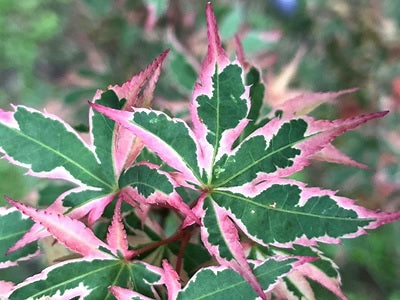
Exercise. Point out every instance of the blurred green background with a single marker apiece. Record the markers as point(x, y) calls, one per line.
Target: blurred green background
point(54, 54)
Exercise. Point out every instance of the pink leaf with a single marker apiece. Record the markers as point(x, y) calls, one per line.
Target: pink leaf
point(116, 237)
point(35, 233)
point(71, 233)
point(317, 275)
point(125, 294)
point(171, 280)
point(334, 155)
point(97, 208)
point(307, 102)
point(240, 53)
point(94, 208)
point(142, 209)
point(5, 288)
point(130, 90)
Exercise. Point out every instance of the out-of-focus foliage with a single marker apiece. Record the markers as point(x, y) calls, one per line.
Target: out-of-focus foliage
point(69, 48)
point(26, 31)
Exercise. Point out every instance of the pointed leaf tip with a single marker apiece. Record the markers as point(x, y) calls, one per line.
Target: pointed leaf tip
point(70, 232)
point(116, 237)
point(171, 280)
point(126, 294)
point(130, 90)
point(215, 50)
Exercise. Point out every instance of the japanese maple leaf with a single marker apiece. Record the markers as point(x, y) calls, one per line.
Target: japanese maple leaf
point(279, 99)
point(102, 169)
point(245, 186)
point(102, 264)
point(106, 268)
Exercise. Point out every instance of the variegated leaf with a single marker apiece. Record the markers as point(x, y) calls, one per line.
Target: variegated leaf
point(322, 270)
point(102, 131)
point(222, 111)
point(152, 186)
point(171, 139)
point(223, 283)
point(28, 136)
point(88, 279)
point(237, 164)
point(285, 212)
point(280, 148)
point(126, 294)
point(13, 225)
point(294, 287)
point(221, 239)
point(70, 232)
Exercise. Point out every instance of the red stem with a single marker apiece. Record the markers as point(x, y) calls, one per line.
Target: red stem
point(184, 242)
point(176, 236)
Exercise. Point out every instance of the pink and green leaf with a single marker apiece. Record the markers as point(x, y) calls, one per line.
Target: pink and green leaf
point(280, 148)
point(322, 270)
point(125, 145)
point(70, 232)
point(13, 225)
point(171, 139)
point(67, 156)
point(220, 103)
point(221, 239)
point(294, 287)
point(126, 294)
point(150, 185)
point(88, 278)
point(102, 132)
point(285, 212)
point(223, 111)
point(223, 283)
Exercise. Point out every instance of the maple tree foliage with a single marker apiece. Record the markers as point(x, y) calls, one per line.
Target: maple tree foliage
point(246, 227)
